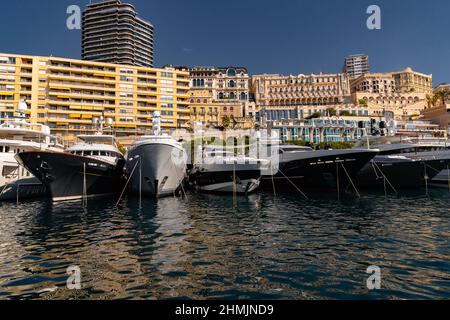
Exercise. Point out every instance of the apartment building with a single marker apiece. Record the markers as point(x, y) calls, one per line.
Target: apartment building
point(66, 94)
point(356, 65)
point(113, 32)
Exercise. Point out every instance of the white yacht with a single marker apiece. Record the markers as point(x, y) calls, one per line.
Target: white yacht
point(156, 164)
point(17, 135)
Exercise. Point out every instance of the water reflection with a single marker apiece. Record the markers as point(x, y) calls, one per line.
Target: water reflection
point(206, 246)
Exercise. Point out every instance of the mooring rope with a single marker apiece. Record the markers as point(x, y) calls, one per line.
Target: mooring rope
point(425, 178)
point(384, 176)
point(84, 185)
point(295, 186)
point(351, 181)
point(273, 180)
point(338, 183)
point(126, 184)
point(448, 177)
point(234, 184)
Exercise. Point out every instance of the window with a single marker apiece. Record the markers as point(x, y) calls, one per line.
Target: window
point(231, 72)
point(167, 74)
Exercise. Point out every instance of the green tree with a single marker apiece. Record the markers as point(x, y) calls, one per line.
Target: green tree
point(331, 112)
point(432, 100)
point(315, 115)
point(345, 113)
point(226, 122)
point(443, 95)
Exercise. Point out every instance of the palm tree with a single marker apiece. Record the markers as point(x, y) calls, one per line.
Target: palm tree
point(443, 95)
point(431, 100)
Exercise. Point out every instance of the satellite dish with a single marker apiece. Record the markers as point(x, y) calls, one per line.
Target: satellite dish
point(95, 120)
point(109, 121)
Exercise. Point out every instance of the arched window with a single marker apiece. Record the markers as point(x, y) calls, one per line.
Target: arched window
point(231, 72)
point(232, 95)
point(221, 96)
point(243, 96)
point(232, 84)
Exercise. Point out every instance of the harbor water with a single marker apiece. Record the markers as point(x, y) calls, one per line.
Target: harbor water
point(210, 247)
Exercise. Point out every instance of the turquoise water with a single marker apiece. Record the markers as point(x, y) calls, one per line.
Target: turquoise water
point(207, 247)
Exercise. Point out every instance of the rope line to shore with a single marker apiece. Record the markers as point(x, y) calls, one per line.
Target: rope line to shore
point(295, 186)
point(384, 176)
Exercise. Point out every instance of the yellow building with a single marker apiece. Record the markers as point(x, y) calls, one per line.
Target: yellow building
point(204, 109)
point(66, 94)
point(411, 81)
point(210, 112)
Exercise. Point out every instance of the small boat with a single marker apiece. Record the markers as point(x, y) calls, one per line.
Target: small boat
point(18, 135)
point(92, 168)
point(222, 172)
point(156, 164)
point(305, 168)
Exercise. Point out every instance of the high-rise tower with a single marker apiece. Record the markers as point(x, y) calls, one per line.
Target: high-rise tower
point(113, 33)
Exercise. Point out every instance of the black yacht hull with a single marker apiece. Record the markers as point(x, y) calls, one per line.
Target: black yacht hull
point(326, 171)
point(27, 188)
point(70, 177)
point(399, 174)
point(241, 182)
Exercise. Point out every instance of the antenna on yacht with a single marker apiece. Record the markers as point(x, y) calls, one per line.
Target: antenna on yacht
point(156, 123)
point(102, 122)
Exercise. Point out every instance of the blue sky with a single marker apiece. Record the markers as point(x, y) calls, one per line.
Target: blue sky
point(282, 36)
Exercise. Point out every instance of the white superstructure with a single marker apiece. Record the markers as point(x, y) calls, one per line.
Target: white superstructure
point(17, 135)
point(99, 146)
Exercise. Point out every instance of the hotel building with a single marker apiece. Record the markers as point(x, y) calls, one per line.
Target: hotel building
point(408, 81)
point(66, 94)
point(112, 32)
point(227, 88)
point(356, 65)
point(403, 93)
point(281, 97)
